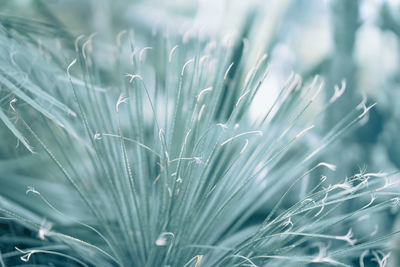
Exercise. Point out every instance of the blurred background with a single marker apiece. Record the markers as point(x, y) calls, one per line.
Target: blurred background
point(355, 41)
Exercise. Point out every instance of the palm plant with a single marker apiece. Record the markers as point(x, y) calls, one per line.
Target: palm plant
point(149, 157)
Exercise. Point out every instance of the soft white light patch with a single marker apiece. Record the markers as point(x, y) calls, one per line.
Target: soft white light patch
point(281, 62)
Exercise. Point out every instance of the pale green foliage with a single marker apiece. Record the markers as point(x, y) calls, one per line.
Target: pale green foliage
point(153, 166)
